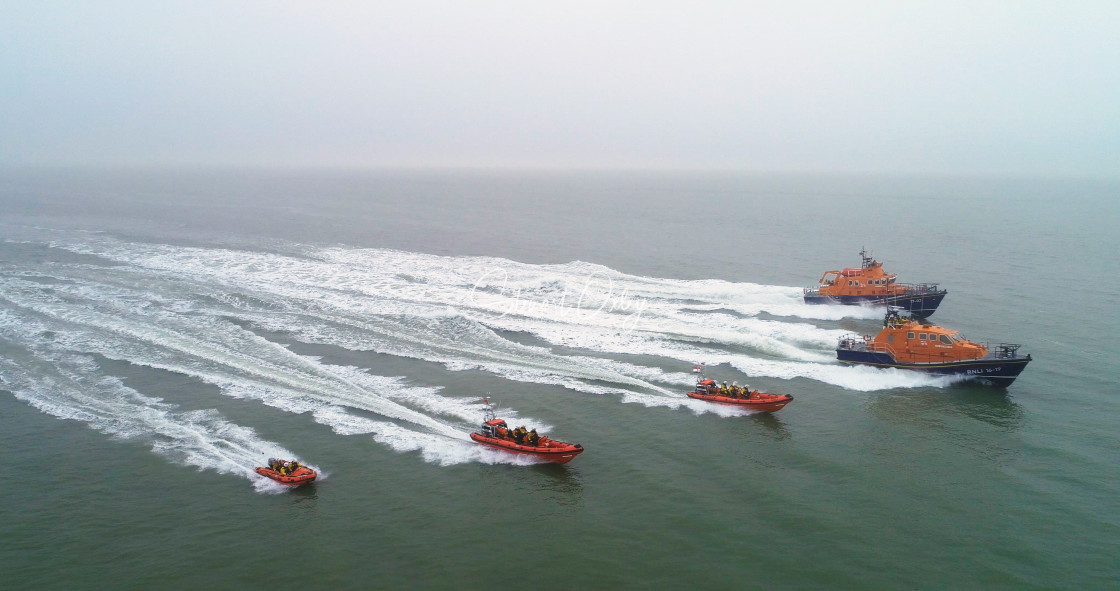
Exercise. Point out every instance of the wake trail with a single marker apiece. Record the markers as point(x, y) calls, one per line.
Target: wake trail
point(122, 325)
point(448, 309)
point(68, 386)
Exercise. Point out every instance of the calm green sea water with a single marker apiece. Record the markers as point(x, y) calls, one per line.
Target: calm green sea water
point(162, 333)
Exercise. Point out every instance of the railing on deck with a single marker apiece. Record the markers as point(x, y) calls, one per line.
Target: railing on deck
point(1007, 351)
point(859, 343)
point(911, 289)
point(920, 288)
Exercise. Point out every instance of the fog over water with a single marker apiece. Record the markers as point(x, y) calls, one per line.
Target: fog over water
point(1008, 87)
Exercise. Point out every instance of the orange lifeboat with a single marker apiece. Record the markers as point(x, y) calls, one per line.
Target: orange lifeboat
point(496, 433)
point(906, 343)
point(871, 285)
point(734, 395)
point(291, 473)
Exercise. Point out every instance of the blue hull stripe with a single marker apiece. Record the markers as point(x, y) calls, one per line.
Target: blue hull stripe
point(921, 304)
point(1003, 370)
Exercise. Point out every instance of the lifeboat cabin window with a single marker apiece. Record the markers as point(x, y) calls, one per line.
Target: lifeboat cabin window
point(945, 340)
point(909, 335)
point(890, 338)
point(921, 336)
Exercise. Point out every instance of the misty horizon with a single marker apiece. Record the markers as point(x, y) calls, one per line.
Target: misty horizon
point(1004, 89)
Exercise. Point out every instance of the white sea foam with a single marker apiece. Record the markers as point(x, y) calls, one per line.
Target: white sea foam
point(69, 386)
point(402, 303)
point(596, 330)
point(245, 365)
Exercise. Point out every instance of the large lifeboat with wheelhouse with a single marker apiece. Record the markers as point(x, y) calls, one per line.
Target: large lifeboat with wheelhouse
point(496, 433)
point(744, 397)
point(870, 285)
point(907, 343)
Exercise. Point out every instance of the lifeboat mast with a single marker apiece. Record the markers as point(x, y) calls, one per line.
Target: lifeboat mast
point(867, 260)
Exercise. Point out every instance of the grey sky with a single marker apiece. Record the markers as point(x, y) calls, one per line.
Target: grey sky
point(878, 86)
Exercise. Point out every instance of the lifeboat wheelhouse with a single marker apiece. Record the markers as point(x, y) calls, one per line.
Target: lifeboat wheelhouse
point(907, 343)
point(871, 285)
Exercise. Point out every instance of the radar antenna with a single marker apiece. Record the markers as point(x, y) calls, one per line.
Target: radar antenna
point(867, 260)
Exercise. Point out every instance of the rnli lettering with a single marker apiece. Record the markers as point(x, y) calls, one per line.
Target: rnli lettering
point(979, 371)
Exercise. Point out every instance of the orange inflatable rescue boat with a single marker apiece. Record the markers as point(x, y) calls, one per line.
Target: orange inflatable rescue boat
point(291, 473)
point(495, 433)
point(734, 395)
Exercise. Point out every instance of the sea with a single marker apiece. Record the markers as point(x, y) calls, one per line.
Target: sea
point(163, 332)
